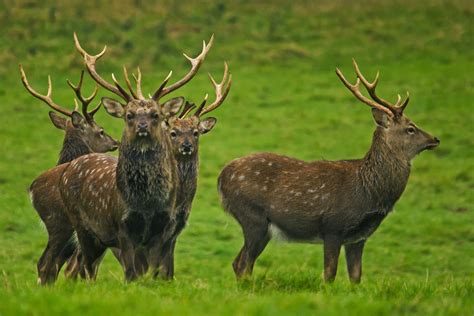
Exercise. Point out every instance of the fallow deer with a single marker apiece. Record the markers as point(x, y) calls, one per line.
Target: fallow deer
point(333, 202)
point(130, 202)
point(82, 136)
point(184, 133)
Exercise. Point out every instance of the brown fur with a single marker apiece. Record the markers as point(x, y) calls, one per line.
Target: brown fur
point(126, 203)
point(333, 202)
point(81, 137)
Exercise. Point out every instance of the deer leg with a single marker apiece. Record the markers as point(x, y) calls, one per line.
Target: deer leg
point(256, 239)
point(74, 264)
point(167, 266)
point(354, 260)
point(127, 255)
point(332, 248)
point(92, 252)
point(48, 265)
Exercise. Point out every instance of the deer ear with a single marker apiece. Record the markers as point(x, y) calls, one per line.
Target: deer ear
point(171, 107)
point(77, 120)
point(381, 118)
point(58, 121)
point(207, 124)
point(113, 107)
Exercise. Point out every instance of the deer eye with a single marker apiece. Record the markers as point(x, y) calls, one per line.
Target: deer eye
point(173, 134)
point(101, 133)
point(411, 130)
point(130, 116)
point(155, 116)
point(196, 133)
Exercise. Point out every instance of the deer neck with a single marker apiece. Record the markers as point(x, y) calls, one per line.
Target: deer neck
point(73, 147)
point(188, 168)
point(146, 177)
point(383, 173)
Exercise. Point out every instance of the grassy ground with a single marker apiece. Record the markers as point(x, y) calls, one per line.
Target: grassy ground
point(286, 99)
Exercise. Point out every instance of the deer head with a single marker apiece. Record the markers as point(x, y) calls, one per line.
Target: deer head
point(184, 132)
point(78, 126)
point(400, 134)
point(143, 116)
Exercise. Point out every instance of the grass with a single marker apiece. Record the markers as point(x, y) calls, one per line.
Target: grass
point(285, 99)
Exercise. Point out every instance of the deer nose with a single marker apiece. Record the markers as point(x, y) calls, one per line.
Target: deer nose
point(437, 140)
point(142, 125)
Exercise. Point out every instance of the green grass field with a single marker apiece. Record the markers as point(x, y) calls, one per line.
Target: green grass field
point(285, 98)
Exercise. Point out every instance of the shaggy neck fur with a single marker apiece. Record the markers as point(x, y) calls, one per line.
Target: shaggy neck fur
point(73, 147)
point(383, 174)
point(145, 177)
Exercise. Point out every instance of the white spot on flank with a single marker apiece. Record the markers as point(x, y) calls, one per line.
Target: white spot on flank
point(270, 164)
point(298, 193)
point(311, 191)
point(232, 176)
point(241, 178)
point(264, 188)
point(325, 196)
point(322, 186)
point(257, 173)
point(65, 180)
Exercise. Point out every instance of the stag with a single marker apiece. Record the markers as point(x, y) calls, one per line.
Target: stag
point(184, 133)
point(127, 203)
point(338, 203)
point(82, 136)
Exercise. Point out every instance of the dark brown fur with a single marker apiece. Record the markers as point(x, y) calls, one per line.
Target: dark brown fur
point(126, 203)
point(81, 137)
point(333, 202)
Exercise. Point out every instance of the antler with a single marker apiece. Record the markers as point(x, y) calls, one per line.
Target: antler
point(90, 65)
point(195, 65)
point(45, 98)
point(188, 107)
point(221, 89)
point(85, 101)
point(371, 90)
point(356, 92)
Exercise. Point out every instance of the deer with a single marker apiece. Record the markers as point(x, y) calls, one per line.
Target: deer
point(82, 135)
point(336, 203)
point(184, 133)
point(127, 203)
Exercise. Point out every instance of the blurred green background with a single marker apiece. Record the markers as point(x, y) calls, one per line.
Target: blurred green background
point(285, 98)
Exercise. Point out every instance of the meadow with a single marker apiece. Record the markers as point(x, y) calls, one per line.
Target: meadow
point(286, 99)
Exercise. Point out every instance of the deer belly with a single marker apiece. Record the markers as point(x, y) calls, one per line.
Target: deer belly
point(285, 236)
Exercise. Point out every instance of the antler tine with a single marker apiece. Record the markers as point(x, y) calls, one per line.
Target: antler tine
point(85, 101)
point(45, 98)
point(76, 105)
point(138, 81)
point(156, 96)
point(129, 84)
point(195, 65)
point(371, 86)
point(90, 65)
point(198, 112)
point(188, 107)
point(356, 92)
point(218, 88)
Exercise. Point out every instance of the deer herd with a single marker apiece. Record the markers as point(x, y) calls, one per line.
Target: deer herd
point(139, 203)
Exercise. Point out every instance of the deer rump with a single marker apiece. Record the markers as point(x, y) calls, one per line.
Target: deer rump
point(301, 201)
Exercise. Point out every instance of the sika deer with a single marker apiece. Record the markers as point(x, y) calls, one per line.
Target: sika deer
point(184, 134)
point(82, 136)
point(130, 202)
point(333, 202)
